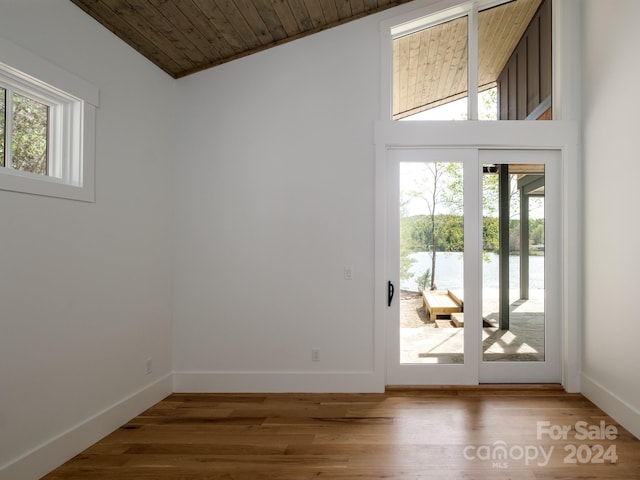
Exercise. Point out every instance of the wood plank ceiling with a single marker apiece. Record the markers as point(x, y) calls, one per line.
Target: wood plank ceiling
point(186, 36)
point(430, 66)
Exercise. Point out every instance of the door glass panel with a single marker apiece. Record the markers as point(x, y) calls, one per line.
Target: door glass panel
point(513, 283)
point(431, 263)
point(514, 65)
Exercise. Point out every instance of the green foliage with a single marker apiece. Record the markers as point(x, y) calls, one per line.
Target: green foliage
point(437, 187)
point(406, 262)
point(488, 104)
point(490, 195)
point(536, 234)
point(490, 234)
point(453, 191)
point(424, 280)
point(451, 233)
point(29, 135)
point(411, 240)
point(416, 235)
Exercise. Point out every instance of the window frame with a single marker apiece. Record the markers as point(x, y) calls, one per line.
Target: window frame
point(429, 16)
point(11, 87)
point(72, 106)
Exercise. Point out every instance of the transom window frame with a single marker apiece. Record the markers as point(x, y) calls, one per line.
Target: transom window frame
point(435, 14)
point(72, 106)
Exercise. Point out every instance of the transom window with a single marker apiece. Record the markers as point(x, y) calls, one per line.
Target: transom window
point(485, 60)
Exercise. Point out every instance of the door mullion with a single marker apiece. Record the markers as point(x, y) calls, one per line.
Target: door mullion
point(472, 261)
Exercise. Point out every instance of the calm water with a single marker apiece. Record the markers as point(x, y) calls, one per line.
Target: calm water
point(449, 271)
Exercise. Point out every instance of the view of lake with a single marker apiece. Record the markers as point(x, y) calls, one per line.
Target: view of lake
point(449, 268)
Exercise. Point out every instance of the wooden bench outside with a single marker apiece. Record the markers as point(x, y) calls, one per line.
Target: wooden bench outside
point(440, 303)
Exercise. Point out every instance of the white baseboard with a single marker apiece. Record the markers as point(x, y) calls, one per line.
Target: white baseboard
point(280, 382)
point(622, 412)
point(55, 451)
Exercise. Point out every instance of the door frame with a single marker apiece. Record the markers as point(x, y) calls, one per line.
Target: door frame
point(465, 373)
point(555, 135)
point(549, 369)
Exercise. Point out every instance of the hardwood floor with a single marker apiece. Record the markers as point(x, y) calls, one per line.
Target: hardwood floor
point(436, 433)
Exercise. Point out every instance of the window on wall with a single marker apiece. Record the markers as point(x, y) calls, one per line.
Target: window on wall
point(47, 128)
point(498, 50)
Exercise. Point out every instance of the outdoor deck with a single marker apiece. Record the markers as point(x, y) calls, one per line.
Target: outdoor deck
point(525, 339)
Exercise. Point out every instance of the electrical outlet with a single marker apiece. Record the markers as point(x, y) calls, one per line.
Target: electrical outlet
point(348, 273)
point(148, 365)
point(315, 354)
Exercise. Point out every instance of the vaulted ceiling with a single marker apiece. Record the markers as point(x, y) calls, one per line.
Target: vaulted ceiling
point(429, 66)
point(186, 36)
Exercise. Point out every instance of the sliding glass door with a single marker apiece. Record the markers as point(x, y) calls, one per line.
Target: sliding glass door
point(473, 241)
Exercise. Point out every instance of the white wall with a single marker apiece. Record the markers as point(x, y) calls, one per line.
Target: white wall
point(612, 260)
point(275, 181)
point(85, 287)
point(276, 196)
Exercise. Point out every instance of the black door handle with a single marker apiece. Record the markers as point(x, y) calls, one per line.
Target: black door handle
point(390, 294)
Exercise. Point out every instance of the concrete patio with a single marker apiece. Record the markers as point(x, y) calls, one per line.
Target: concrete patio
point(422, 342)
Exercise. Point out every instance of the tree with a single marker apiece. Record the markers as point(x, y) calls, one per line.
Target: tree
point(438, 186)
point(536, 236)
point(28, 137)
point(412, 239)
point(490, 232)
point(424, 280)
point(488, 104)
